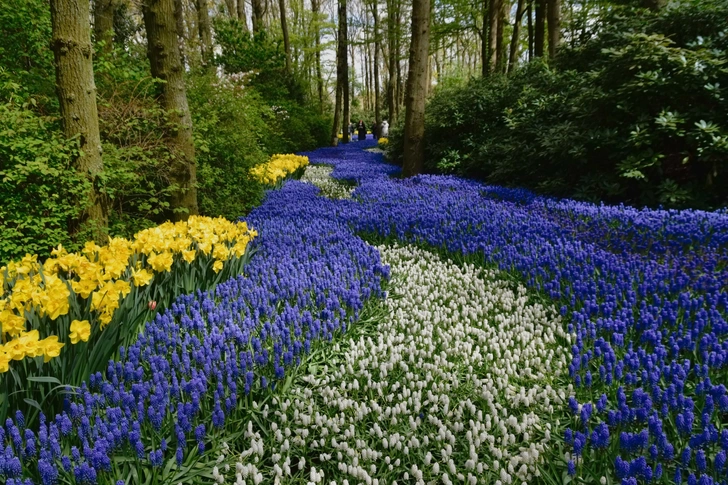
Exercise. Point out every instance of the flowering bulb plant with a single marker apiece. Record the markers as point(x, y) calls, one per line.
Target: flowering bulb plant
point(64, 318)
point(278, 168)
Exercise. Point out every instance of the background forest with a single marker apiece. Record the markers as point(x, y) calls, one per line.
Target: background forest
point(615, 101)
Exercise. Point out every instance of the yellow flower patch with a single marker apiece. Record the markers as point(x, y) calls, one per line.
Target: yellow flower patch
point(278, 167)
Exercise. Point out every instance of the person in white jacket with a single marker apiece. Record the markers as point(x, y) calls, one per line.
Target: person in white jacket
point(384, 129)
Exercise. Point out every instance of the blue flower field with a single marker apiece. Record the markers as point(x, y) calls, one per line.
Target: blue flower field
point(424, 330)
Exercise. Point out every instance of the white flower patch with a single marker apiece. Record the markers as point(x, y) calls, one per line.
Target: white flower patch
point(320, 176)
point(454, 388)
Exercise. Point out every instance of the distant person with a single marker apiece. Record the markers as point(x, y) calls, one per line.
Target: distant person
point(384, 130)
point(374, 130)
point(351, 131)
point(362, 129)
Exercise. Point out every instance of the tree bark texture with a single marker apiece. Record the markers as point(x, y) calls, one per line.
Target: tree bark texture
point(554, 21)
point(414, 118)
point(164, 59)
point(242, 16)
point(286, 40)
point(377, 102)
point(73, 53)
point(513, 55)
point(104, 23)
point(540, 28)
point(179, 18)
point(529, 12)
point(494, 15)
point(315, 9)
point(485, 40)
point(393, 58)
point(342, 68)
point(203, 25)
point(337, 113)
point(231, 8)
point(258, 12)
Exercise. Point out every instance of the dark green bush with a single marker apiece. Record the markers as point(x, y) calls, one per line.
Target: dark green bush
point(636, 114)
point(231, 127)
point(39, 188)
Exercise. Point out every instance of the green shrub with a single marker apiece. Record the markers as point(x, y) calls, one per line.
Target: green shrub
point(39, 187)
point(636, 114)
point(232, 126)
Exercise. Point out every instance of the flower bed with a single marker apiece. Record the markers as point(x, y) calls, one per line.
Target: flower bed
point(644, 292)
point(278, 168)
point(452, 386)
point(63, 319)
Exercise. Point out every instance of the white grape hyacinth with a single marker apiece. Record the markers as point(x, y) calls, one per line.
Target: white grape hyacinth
point(456, 387)
point(320, 176)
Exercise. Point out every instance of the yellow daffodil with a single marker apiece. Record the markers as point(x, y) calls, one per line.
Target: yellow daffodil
point(217, 266)
point(25, 345)
point(50, 347)
point(84, 287)
point(161, 262)
point(141, 277)
point(4, 361)
point(12, 323)
point(278, 167)
point(80, 331)
point(189, 255)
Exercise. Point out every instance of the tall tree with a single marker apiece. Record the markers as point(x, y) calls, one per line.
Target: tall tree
point(242, 16)
point(286, 40)
point(540, 29)
point(258, 13)
point(205, 31)
point(104, 23)
point(554, 20)
point(414, 118)
point(530, 30)
point(377, 102)
point(179, 18)
point(72, 50)
point(315, 8)
point(164, 59)
point(393, 57)
point(495, 8)
point(342, 69)
point(515, 39)
point(337, 112)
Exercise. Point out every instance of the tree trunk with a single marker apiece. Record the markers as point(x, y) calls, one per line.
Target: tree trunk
point(242, 16)
point(179, 18)
point(554, 21)
point(393, 59)
point(315, 7)
point(286, 40)
point(203, 24)
point(513, 55)
point(231, 8)
point(258, 12)
point(530, 30)
point(538, 48)
point(342, 68)
point(485, 40)
point(164, 59)
point(494, 14)
point(337, 111)
point(414, 121)
point(72, 50)
point(377, 107)
point(104, 23)
point(500, 46)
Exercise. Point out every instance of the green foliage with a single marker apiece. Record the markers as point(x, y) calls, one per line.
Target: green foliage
point(39, 189)
point(258, 63)
point(636, 114)
point(231, 126)
point(24, 49)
